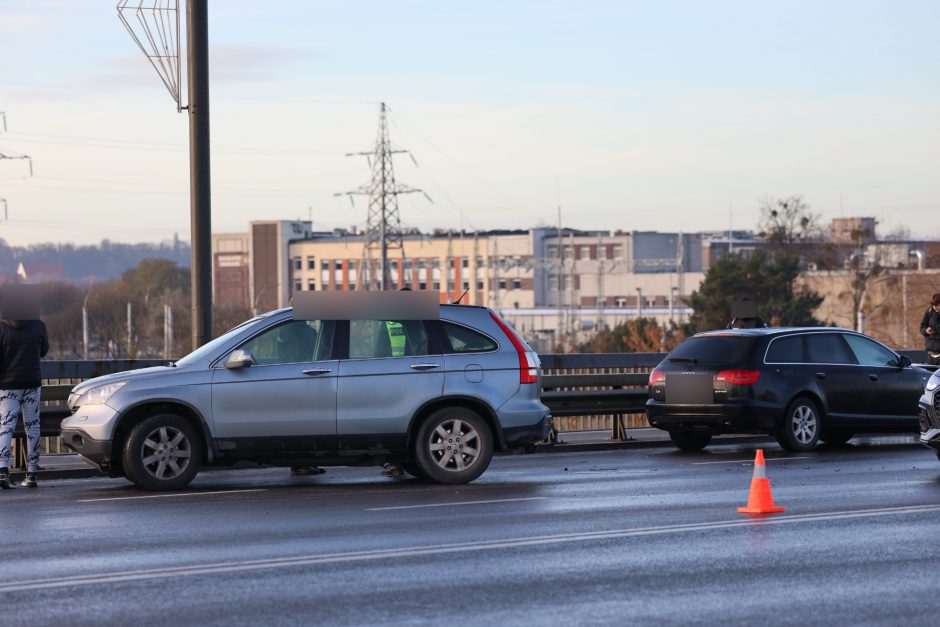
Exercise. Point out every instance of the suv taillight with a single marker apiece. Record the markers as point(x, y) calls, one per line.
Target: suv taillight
point(657, 376)
point(528, 361)
point(738, 377)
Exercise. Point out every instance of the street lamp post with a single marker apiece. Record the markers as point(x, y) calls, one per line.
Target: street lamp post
point(639, 303)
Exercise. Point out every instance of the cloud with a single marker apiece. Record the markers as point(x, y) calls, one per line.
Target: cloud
point(13, 23)
point(234, 62)
point(227, 64)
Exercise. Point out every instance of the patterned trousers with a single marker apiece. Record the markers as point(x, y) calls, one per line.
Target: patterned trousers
point(11, 402)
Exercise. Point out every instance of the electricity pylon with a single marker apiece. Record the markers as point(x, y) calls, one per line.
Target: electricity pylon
point(383, 233)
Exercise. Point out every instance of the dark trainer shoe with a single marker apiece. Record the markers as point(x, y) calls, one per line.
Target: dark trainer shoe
point(5, 479)
point(30, 481)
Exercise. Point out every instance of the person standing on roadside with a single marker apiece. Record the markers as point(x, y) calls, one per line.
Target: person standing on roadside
point(930, 329)
point(23, 342)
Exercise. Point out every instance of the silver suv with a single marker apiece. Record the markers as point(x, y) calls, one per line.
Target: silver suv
point(436, 396)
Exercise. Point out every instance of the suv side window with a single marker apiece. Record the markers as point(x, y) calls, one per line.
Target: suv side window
point(786, 350)
point(827, 348)
point(387, 338)
point(295, 341)
point(869, 352)
point(464, 340)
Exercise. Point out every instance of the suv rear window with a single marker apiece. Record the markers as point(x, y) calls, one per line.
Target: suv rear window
point(463, 340)
point(714, 350)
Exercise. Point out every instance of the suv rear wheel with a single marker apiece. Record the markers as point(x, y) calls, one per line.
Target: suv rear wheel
point(690, 440)
point(162, 453)
point(454, 445)
point(802, 425)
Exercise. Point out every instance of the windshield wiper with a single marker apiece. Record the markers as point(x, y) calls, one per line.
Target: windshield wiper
point(690, 360)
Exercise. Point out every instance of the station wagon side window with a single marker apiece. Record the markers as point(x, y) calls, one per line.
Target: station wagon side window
point(827, 348)
point(369, 339)
point(786, 350)
point(869, 352)
point(295, 341)
point(464, 340)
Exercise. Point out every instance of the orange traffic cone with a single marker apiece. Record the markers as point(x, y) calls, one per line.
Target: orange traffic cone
point(760, 501)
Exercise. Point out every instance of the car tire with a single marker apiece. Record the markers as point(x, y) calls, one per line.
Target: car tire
point(453, 445)
point(802, 426)
point(836, 438)
point(690, 440)
point(163, 452)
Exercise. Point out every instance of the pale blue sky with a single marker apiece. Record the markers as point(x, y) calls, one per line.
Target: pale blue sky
point(637, 115)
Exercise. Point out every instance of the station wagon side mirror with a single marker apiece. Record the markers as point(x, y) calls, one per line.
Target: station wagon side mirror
point(904, 361)
point(240, 358)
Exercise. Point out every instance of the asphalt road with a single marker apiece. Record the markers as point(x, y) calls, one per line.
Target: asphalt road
point(637, 536)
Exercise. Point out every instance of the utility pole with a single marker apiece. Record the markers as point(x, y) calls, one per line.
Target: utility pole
point(197, 26)
point(155, 30)
point(383, 224)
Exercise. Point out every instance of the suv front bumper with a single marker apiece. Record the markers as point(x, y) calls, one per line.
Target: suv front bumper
point(929, 423)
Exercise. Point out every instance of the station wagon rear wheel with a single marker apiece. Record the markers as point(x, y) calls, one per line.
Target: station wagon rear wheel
point(454, 445)
point(802, 425)
point(690, 440)
point(162, 453)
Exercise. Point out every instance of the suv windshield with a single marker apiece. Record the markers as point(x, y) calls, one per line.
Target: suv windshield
point(713, 350)
point(207, 349)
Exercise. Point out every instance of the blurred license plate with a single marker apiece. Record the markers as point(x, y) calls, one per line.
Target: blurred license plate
point(689, 388)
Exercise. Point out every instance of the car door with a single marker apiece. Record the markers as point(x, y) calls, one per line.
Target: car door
point(286, 398)
point(892, 391)
point(388, 373)
point(837, 376)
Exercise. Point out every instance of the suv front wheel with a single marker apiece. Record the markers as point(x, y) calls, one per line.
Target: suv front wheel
point(802, 425)
point(162, 453)
point(454, 445)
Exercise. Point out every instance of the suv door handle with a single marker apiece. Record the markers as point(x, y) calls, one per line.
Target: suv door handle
point(313, 372)
point(820, 375)
point(424, 366)
point(873, 377)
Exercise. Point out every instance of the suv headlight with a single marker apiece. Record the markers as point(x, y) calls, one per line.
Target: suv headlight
point(100, 394)
point(933, 382)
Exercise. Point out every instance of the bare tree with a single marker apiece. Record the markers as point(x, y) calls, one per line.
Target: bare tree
point(786, 223)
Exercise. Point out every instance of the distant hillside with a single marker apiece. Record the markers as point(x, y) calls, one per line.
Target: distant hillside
point(107, 260)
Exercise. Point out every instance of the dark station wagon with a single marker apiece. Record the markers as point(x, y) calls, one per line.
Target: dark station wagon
point(801, 385)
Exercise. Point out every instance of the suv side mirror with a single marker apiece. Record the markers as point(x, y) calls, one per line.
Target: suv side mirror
point(240, 358)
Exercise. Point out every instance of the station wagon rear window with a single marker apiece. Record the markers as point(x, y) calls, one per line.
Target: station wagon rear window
point(714, 350)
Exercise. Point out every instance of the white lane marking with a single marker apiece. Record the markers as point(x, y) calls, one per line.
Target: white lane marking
point(463, 547)
point(167, 496)
point(528, 498)
point(751, 460)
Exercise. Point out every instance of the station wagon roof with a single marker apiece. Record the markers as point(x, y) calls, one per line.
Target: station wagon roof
point(770, 331)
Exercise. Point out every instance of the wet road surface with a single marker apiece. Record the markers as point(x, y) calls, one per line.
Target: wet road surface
point(608, 537)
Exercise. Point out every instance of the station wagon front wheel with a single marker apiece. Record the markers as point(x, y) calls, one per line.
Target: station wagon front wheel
point(163, 452)
point(454, 445)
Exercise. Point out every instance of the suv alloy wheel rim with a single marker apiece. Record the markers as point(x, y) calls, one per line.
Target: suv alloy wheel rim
point(454, 445)
point(803, 423)
point(165, 453)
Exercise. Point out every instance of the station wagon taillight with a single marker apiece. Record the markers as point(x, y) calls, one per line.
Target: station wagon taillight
point(657, 376)
point(528, 360)
point(738, 377)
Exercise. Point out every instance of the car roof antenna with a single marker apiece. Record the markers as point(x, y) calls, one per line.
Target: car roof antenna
point(457, 302)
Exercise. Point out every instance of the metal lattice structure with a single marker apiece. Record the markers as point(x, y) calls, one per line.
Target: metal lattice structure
point(5, 155)
point(383, 232)
point(155, 27)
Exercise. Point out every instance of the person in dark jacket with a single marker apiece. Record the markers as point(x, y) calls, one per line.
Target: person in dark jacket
point(22, 344)
point(930, 329)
